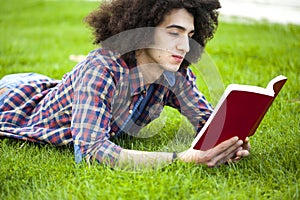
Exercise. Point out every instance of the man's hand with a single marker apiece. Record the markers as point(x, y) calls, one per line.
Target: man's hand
point(244, 152)
point(229, 150)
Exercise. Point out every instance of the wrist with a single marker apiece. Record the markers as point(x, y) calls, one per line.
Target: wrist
point(174, 157)
point(180, 156)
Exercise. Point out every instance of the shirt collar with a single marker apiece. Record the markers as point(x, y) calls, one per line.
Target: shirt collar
point(170, 77)
point(137, 84)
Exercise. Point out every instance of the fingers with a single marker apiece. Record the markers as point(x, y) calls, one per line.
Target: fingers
point(242, 153)
point(224, 146)
point(246, 149)
point(246, 144)
point(247, 140)
point(226, 151)
point(239, 155)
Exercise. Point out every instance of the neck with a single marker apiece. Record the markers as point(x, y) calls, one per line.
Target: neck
point(150, 71)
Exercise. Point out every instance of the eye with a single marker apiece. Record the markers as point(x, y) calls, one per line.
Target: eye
point(174, 33)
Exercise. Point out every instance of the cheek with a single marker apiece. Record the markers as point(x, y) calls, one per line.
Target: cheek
point(156, 54)
point(162, 54)
point(163, 42)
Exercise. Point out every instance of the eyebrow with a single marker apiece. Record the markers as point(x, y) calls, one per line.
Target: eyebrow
point(179, 27)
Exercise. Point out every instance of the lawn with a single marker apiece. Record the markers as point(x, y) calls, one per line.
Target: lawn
point(38, 36)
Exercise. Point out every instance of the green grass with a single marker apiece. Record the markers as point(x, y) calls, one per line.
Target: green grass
point(39, 36)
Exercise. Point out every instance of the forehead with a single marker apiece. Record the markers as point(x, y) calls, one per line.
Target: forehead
point(179, 17)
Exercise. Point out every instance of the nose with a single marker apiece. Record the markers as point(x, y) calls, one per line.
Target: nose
point(184, 44)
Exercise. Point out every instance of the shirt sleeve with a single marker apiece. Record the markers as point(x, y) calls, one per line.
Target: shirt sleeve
point(187, 98)
point(93, 94)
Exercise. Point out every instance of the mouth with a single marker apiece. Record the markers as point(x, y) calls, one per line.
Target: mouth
point(177, 58)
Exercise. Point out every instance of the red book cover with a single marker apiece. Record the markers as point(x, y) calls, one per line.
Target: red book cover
point(238, 113)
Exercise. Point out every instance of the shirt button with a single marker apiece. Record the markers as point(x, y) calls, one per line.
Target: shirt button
point(113, 134)
point(130, 111)
point(144, 91)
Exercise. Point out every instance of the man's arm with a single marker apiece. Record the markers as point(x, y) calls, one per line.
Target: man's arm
point(91, 115)
point(213, 157)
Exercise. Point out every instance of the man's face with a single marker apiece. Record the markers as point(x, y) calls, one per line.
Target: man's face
point(171, 40)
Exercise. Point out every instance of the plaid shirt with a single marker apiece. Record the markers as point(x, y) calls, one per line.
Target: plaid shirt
point(91, 103)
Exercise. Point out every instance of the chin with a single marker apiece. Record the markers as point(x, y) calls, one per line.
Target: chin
point(173, 68)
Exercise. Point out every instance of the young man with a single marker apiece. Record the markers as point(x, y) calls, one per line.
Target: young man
point(122, 86)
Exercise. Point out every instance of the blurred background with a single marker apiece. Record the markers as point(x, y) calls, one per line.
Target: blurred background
point(278, 11)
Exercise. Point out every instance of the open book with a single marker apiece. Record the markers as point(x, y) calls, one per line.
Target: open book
point(238, 113)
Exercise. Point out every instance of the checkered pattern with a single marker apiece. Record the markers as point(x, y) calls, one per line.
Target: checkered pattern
point(90, 104)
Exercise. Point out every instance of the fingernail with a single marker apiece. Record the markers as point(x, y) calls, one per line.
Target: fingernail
point(240, 142)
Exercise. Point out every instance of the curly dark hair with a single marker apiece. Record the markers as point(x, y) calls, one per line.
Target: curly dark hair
point(117, 16)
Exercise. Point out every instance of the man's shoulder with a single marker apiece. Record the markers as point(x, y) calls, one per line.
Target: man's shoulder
point(103, 63)
point(112, 60)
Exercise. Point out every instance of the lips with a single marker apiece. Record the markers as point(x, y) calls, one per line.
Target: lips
point(177, 58)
